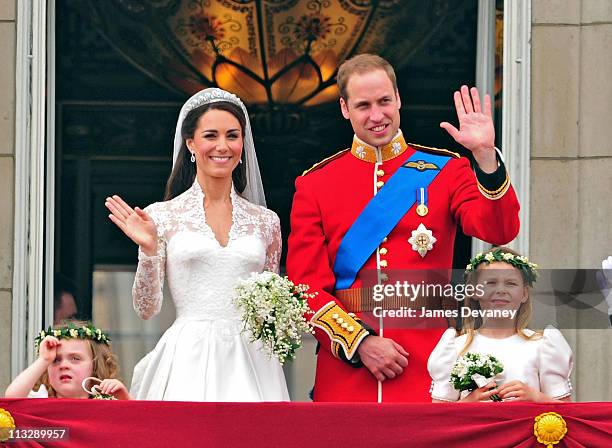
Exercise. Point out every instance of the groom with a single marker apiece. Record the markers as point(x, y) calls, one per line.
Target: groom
point(379, 207)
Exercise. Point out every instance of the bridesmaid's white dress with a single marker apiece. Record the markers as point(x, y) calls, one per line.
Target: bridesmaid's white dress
point(543, 363)
point(204, 356)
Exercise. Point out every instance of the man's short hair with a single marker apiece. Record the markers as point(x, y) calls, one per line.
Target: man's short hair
point(362, 63)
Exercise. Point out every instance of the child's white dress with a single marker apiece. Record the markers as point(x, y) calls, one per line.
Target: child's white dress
point(40, 393)
point(544, 364)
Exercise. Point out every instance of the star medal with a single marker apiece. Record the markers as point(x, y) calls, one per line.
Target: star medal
point(422, 208)
point(422, 240)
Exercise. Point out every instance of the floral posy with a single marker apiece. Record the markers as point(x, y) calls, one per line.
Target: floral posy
point(274, 311)
point(470, 365)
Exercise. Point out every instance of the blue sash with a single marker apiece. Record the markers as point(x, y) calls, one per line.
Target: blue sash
point(382, 214)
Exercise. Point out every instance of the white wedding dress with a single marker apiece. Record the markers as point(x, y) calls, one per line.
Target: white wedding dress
point(204, 356)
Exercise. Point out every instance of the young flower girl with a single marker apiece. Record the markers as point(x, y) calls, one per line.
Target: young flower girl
point(67, 356)
point(537, 365)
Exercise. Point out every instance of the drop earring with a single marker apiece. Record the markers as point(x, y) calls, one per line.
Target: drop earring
point(192, 158)
point(240, 161)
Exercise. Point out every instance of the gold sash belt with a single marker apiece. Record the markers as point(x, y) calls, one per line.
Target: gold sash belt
point(359, 300)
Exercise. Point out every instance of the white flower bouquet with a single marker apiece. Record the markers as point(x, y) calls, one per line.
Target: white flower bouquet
point(474, 370)
point(274, 310)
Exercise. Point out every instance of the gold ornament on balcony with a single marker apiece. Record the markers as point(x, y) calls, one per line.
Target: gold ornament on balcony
point(549, 428)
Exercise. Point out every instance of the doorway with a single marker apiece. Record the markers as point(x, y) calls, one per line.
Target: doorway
point(114, 132)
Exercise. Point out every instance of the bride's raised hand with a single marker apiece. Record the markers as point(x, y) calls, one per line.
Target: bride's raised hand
point(134, 222)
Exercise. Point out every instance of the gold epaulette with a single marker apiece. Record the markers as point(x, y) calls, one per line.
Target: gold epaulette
point(445, 152)
point(341, 327)
point(325, 161)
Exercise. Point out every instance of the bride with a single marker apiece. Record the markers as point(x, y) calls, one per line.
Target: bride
point(212, 230)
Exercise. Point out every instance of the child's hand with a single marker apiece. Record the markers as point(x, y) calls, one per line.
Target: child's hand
point(519, 391)
point(48, 349)
point(115, 388)
point(483, 393)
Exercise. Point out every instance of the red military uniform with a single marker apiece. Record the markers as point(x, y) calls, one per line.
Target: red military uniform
point(328, 199)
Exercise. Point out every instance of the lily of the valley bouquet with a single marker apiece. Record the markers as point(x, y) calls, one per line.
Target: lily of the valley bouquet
point(474, 370)
point(274, 310)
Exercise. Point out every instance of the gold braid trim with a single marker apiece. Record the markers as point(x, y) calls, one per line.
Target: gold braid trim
point(334, 349)
point(324, 162)
point(495, 194)
point(456, 155)
point(343, 330)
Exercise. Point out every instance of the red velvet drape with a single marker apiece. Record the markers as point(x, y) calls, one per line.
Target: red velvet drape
point(94, 423)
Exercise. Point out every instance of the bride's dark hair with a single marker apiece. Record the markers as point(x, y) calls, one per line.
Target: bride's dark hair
point(184, 171)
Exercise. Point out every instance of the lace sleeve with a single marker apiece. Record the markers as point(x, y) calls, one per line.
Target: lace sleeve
point(147, 292)
point(275, 245)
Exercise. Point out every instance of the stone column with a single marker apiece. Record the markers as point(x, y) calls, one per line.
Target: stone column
point(571, 165)
point(7, 183)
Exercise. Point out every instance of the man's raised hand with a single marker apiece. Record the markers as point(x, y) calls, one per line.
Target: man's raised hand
point(476, 131)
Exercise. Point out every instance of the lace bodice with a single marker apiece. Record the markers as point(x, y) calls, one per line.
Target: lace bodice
point(201, 273)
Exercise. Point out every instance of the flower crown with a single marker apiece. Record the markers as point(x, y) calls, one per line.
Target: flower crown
point(527, 268)
point(72, 331)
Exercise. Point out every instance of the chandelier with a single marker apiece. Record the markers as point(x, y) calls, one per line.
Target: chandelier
point(277, 55)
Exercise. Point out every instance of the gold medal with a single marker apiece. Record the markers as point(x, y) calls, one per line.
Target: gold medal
point(422, 210)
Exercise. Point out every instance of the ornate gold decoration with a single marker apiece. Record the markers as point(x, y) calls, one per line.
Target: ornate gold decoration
point(421, 165)
point(549, 428)
point(391, 150)
point(332, 319)
point(434, 150)
point(6, 424)
point(495, 194)
point(324, 162)
point(268, 52)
